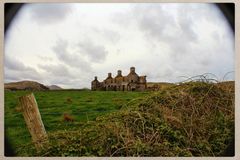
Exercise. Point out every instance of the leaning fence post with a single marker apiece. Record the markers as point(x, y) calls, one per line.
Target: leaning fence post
point(33, 120)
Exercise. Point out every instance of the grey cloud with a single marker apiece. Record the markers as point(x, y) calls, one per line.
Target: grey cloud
point(108, 34)
point(65, 77)
point(157, 24)
point(10, 78)
point(164, 27)
point(77, 82)
point(180, 34)
point(22, 75)
point(186, 18)
point(49, 13)
point(16, 70)
point(111, 35)
point(61, 81)
point(58, 70)
point(64, 81)
point(70, 59)
point(95, 52)
point(205, 62)
point(186, 29)
point(163, 73)
point(45, 58)
point(13, 64)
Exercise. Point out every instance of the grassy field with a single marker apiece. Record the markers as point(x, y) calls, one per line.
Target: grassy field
point(81, 105)
point(189, 119)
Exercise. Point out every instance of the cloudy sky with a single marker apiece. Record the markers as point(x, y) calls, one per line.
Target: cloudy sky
point(69, 44)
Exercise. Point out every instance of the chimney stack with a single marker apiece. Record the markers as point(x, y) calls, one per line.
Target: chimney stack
point(132, 70)
point(109, 75)
point(95, 77)
point(119, 73)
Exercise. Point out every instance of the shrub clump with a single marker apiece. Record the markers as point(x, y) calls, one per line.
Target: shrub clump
point(191, 119)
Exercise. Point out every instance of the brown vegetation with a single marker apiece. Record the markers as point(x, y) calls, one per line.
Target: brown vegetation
point(156, 86)
point(67, 117)
point(69, 100)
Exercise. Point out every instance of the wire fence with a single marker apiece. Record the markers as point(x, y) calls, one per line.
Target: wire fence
point(206, 77)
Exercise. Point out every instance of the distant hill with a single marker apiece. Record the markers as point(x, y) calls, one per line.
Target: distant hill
point(25, 85)
point(54, 87)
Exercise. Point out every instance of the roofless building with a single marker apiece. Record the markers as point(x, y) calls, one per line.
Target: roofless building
point(131, 82)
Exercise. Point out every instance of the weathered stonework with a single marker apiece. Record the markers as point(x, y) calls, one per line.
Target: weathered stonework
point(131, 82)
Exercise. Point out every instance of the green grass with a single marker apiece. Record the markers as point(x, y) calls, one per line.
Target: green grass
point(83, 106)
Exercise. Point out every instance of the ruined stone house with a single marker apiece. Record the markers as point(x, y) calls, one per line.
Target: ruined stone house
point(131, 82)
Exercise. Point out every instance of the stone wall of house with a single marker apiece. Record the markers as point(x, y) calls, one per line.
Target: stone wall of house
point(131, 82)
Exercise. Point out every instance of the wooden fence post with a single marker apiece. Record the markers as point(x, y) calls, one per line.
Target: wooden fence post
point(33, 120)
